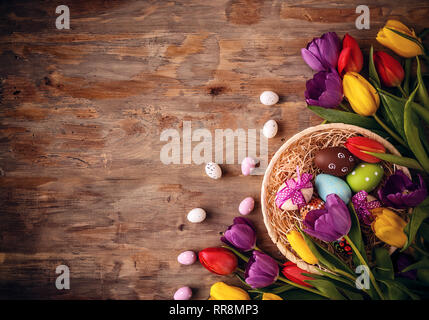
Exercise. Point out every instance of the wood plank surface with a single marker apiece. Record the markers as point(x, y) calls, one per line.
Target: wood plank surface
point(82, 111)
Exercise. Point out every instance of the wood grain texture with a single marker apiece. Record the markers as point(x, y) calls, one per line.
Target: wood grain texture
point(82, 110)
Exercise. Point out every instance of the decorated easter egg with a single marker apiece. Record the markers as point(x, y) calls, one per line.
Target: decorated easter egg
point(183, 293)
point(327, 184)
point(337, 161)
point(248, 165)
point(288, 204)
point(314, 204)
point(213, 170)
point(366, 176)
point(246, 206)
point(270, 129)
point(187, 258)
point(269, 98)
point(196, 215)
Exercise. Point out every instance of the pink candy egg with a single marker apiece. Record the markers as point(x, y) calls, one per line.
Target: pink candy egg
point(246, 206)
point(184, 293)
point(187, 258)
point(247, 165)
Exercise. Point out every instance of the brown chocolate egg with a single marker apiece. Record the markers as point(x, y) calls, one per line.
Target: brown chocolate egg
point(336, 161)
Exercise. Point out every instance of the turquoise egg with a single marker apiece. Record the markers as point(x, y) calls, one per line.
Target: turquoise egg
point(327, 184)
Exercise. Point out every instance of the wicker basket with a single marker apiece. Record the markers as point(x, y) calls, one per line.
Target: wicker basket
point(300, 150)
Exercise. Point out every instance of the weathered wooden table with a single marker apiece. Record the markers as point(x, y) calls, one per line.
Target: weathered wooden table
point(82, 112)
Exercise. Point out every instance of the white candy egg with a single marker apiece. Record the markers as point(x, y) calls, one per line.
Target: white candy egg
point(187, 258)
point(183, 293)
point(269, 98)
point(213, 170)
point(246, 206)
point(196, 215)
point(270, 129)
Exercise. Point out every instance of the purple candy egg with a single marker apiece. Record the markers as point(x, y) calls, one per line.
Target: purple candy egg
point(187, 258)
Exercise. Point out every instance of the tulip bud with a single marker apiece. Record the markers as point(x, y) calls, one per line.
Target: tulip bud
point(399, 44)
point(389, 69)
point(222, 291)
point(350, 59)
point(270, 296)
point(298, 244)
point(361, 95)
point(218, 260)
point(358, 144)
point(293, 273)
point(389, 227)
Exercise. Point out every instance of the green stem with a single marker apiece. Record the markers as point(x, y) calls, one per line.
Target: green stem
point(404, 94)
point(239, 269)
point(302, 287)
point(388, 130)
point(420, 250)
point(363, 262)
point(239, 254)
point(407, 69)
point(344, 107)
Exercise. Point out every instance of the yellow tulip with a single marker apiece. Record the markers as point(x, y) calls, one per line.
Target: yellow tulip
point(389, 227)
point(270, 296)
point(400, 45)
point(222, 291)
point(298, 244)
point(361, 95)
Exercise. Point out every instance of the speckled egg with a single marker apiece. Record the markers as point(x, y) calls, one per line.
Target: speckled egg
point(183, 293)
point(337, 161)
point(314, 204)
point(366, 176)
point(187, 258)
point(196, 215)
point(270, 129)
point(327, 184)
point(213, 170)
point(246, 206)
point(269, 98)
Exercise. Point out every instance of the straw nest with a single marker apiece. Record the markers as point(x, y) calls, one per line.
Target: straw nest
point(300, 151)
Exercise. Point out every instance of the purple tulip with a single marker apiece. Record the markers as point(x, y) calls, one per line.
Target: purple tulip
point(401, 193)
point(331, 223)
point(322, 53)
point(241, 234)
point(402, 261)
point(261, 270)
point(325, 89)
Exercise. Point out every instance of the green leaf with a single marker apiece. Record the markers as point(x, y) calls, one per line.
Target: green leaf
point(355, 235)
point(333, 115)
point(301, 295)
point(406, 36)
point(424, 231)
point(394, 286)
point(411, 125)
point(328, 288)
point(402, 161)
point(407, 69)
point(420, 213)
point(394, 108)
point(422, 264)
point(372, 71)
point(423, 93)
point(325, 257)
point(384, 266)
point(421, 111)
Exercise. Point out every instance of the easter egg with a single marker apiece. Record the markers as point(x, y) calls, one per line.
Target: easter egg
point(187, 258)
point(196, 215)
point(337, 161)
point(269, 98)
point(327, 184)
point(270, 129)
point(246, 206)
point(366, 176)
point(183, 293)
point(213, 170)
point(307, 193)
point(314, 204)
point(247, 166)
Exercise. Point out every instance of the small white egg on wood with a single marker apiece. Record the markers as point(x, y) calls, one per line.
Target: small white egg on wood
point(270, 129)
point(183, 293)
point(213, 170)
point(269, 98)
point(196, 215)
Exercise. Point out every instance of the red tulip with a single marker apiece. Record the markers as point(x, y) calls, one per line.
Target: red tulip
point(292, 272)
point(351, 58)
point(358, 144)
point(218, 260)
point(389, 69)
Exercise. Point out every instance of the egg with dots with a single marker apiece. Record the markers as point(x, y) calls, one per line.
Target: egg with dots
point(337, 161)
point(295, 193)
point(314, 204)
point(366, 176)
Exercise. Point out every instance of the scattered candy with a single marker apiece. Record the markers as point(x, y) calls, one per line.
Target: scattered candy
point(187, 258)
point(270, 129)
point(196, 215)
point(213, 170)
point(366, 176)
point(247, 166)
point(327, 184)
point(269, 98)
point(337, 161)
point(294, 193)
point(246, 206)
point(184, 293)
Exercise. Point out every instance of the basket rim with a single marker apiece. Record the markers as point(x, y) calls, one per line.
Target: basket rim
point(271, 232)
